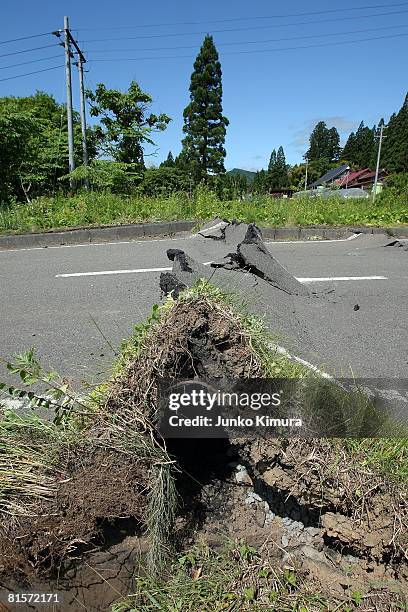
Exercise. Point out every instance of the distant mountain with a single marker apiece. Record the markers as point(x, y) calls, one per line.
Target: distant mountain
point(247, 173)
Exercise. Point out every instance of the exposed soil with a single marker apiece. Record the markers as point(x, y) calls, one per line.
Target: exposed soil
point(342, 526)
point(276, 496)
point(99, 491)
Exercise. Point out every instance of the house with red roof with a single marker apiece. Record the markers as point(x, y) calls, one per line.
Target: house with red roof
point(360, 178)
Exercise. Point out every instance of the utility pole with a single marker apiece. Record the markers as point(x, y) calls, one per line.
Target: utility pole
point(67, 47)
point(82, 109)
point(307, 165)
point(68, 41)
point(378, 162)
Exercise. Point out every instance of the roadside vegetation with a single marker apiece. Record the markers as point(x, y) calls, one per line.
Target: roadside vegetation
point(238, 577)
point(96, 209)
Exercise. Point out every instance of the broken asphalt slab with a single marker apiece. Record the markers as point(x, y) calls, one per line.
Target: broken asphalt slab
point(254, 256)
point(250, 255)
point(402, 244)
point(213, 229)
point(267, 289)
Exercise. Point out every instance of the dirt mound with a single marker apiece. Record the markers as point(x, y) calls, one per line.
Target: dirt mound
point(196, 338)
point(109, 486)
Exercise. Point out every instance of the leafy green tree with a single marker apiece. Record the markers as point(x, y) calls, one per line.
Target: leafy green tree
point(324, 143)
point(105, 175)
point(125, 125)
point(165, 180)
point(395, 151)
point(232, 186)
point(260, 183)
point(204, 124)
point(33, 145)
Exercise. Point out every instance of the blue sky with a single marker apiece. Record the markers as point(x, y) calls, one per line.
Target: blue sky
point(281, 72)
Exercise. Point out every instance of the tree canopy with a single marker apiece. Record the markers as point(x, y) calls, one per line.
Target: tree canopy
point(395, 152)
point(33, 145)
point(125, 125)
point(324, 143)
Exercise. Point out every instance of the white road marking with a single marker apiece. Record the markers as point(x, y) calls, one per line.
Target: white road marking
point(282, 351)
point(317, 279)
point(325, 279)
point(108, 272)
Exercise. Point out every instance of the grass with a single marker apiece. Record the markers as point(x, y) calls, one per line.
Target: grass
point(29, 448)
point(236, 578)
point(389, 456)
point(95, 209)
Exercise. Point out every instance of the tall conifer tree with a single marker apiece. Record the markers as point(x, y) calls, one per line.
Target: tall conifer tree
point(396, 142)
point(324, 143)
point(204, 124)
point(272, 162)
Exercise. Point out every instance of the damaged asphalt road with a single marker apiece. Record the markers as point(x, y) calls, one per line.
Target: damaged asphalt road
point(76, 321)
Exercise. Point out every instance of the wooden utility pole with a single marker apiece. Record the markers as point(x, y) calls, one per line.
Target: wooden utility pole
point(67, 47)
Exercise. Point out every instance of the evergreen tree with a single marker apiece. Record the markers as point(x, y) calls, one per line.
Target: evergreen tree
point(365, 146)
point(204, 124)
point(395, 152)
point(333, 144)
point(169, 162)
point(272, 162)
point(318, 142)
point(278, 172)
point(324, 143)
point(349, 151)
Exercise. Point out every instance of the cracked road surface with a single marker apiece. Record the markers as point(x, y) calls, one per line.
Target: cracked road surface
point(75, 304)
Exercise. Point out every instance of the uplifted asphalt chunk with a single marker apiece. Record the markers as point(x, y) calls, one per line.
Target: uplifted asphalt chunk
point(213, 229)
point(253, 255)
point(401, 243)
point(185, 272)
point(235, 233)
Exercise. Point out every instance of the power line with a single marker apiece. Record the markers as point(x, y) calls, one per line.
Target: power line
point(345, 42)
point(253, 42)
point(5, 42)
point(267, 27)
point(17, 76)
point(42, 59)
point(27, 50)
point(230, 19)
